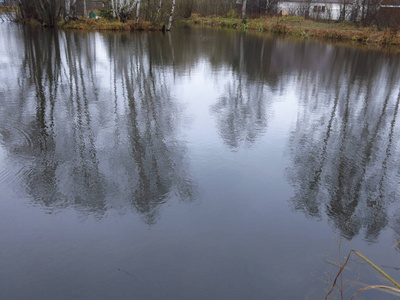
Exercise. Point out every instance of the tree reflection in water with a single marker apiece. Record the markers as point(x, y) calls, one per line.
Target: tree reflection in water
point(103, 132)
point(240, 111)
point(151, 114)
point(97, 143)
point(343, 148)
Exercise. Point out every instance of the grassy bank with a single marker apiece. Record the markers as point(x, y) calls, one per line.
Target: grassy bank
point(298, 26)
point(287, 25)
point(6, 9)
point(99, 24)
point(105, 24)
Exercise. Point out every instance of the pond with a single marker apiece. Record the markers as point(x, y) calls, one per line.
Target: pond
point(196, 164)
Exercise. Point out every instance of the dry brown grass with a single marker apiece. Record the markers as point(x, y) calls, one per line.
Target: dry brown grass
point(298, 26)
point(395, 290)
point(104, 24)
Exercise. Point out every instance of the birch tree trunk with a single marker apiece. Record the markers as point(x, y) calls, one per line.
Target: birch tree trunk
point(123, 8)
point(171, 16)
point(113, 9)
point(138, 11)
point(158, 11)
point(84, 8)
point(244, 6)
point(67, 8)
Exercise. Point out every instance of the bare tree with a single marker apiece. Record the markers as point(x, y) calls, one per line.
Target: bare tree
point(85, 14)
point(122, 9)
point(47, 12)
point(138, 11)
point(158, 10)
point(171, 16)
point(68, 5)
point(244, 7)
point(343, 9)
point(271, 6)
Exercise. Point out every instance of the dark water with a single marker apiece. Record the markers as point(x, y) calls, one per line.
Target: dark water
point(200, 164)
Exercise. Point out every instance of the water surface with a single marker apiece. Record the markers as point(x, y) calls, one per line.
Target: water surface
point(200, 164)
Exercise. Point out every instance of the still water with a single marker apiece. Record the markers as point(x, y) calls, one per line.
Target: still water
point(200, 164)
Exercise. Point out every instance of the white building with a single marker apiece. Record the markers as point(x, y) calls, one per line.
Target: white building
point(316, 9)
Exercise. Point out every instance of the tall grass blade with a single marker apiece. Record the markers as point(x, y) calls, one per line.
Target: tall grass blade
point(391, 280)
point(394, 291)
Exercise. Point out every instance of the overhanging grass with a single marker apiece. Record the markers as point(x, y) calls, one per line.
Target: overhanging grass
point(395, 290)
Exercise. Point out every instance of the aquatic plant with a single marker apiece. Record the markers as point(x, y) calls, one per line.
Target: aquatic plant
point(395, 289)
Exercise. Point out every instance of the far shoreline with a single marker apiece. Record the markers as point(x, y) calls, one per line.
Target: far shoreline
point(300, 27)
point(344, 31)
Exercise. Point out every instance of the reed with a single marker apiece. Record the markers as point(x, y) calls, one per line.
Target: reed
point(395, 289)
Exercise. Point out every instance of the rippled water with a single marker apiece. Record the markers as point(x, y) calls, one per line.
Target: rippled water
point(200, 164)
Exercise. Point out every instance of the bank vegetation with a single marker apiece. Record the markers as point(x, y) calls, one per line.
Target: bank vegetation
point(359, 21)
point(110, 14)
point(344, 31)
